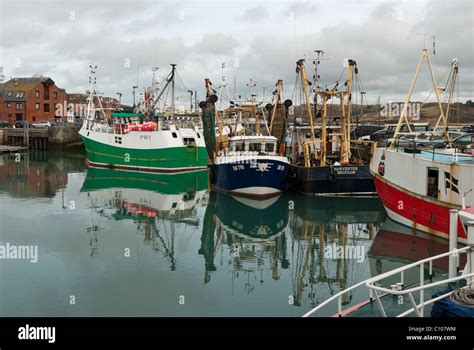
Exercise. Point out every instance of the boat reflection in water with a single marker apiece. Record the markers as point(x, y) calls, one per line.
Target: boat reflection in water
point(295, 233)
point(287, 244)
point(396, 246)
point(252, 229)
point(156, 202)
point(331, 239)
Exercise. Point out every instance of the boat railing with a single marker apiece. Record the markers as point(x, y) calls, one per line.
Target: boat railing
point(418, 147)
point(398, 289)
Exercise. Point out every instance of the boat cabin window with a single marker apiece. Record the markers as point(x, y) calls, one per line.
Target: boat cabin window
point(432, 188)
point(269, 147)
point(189, 141)
point(239, 147)
point(255, 147)
point(189, 196)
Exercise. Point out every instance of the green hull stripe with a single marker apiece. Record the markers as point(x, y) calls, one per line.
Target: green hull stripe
point(168, 158)
point(98, 179)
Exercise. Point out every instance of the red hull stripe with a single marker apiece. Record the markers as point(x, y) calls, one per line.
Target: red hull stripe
point(432, 216)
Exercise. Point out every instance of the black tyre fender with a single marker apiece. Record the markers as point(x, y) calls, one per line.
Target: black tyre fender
point(332, 177)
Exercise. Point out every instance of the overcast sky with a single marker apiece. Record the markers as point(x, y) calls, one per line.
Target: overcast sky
point(256, 39)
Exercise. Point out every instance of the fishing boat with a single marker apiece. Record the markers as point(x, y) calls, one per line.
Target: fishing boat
point(322, 163)
point(151, 141)
point(245, 165)
point(419, 186)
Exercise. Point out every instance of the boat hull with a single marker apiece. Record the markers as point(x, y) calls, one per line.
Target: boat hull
point(161, 160)
point(351, 180)
point(415, 211)
point(264, 177)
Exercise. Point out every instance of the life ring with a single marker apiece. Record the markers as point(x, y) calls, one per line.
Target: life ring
point(332, 177)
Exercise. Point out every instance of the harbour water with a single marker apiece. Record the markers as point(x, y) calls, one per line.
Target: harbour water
point(113, 243)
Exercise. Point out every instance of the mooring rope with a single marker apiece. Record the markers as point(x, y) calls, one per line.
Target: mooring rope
point(463, 296)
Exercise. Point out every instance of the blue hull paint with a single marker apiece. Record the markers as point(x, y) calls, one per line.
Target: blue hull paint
point(237, 176)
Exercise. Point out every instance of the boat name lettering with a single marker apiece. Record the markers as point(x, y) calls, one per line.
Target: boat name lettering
point(238, 167)
point(145, 137)
point(346, 170)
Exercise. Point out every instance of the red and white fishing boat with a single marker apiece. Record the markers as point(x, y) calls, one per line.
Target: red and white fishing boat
point(418, 187)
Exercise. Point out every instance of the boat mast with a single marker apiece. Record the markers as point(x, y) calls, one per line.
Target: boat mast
point(450, 90)
point(91, 110)
point(346, 118)
point(173, 69)
point(317, 62)
point(210, 92)
point(277, 99)
point(403, 116)
point(300, 68)
point(169, 79)
point(92, 82)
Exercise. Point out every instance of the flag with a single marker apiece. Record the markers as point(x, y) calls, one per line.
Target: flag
point(451, 182)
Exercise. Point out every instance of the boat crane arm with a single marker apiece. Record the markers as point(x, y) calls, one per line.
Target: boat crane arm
point(169, 79)
point(276, 101)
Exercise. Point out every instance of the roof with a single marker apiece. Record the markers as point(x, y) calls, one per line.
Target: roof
point(17, 89)
point(126, 114)
point(253, 138)
point(77, 97)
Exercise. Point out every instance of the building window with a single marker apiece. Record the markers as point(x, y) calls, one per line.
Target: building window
point(37, 106)
point(10, 93)
point(37, 94)
point(9, 105)
point(46, 107)
point(34, 118)
point(19, 106)
point(55, 94)
point(20, 94)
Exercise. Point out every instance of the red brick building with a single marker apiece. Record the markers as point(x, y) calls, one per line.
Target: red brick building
point(78, 104)
point(31, 99)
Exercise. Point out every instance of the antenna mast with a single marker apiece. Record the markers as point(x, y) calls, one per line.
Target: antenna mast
point(173, 69)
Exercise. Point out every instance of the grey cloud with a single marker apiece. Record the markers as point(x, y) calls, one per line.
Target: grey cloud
point(301, 8)
point(216, 43)
point(384, 43)
point(254, 14)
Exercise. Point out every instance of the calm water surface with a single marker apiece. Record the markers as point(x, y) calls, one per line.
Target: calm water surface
point(116, 243)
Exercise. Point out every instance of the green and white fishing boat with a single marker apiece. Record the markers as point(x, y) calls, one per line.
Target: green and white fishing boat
point(150, 142)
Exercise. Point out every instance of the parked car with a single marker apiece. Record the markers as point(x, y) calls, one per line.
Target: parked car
point(22, 124)
point(468, 129)
point(62, 124)
point(458, 140)
point(5, 124)
point(42, 124)
point(364, 131)
point(463, 142)
point(385, 135)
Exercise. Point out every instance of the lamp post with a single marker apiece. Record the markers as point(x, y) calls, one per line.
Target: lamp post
point(134, 87)
point(191, 93)
point(154, 69)
point(362, 93)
